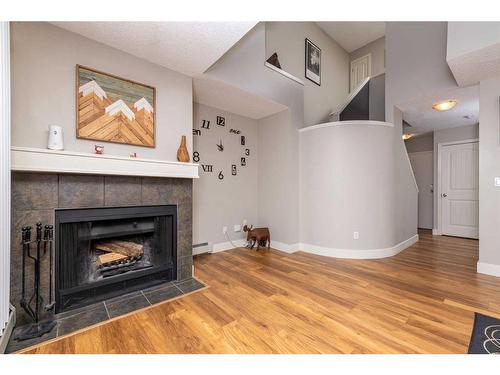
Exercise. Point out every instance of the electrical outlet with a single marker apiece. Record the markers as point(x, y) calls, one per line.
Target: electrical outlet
point(355, 235)
point(237, 228)
point(244, 221)
point(224, 230)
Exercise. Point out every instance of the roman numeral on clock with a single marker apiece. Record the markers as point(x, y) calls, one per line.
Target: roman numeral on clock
point(207, 167)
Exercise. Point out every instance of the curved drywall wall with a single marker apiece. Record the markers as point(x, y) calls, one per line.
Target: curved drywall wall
point(349, 182)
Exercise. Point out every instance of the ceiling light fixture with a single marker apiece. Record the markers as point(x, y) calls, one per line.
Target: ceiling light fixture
point(407, 136)
point(445, 105)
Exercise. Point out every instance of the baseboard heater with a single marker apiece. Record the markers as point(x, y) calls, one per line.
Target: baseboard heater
point(201, 248)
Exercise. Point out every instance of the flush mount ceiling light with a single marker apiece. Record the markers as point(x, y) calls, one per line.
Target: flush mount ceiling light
point(407, 136)
point(445, 105)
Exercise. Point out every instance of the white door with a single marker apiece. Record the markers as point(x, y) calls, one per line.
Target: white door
point(459, 189)
point(423, 168)
point(360, 69)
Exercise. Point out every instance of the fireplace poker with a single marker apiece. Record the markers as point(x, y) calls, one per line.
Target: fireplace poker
point(44, 237)
point(26, 240)
point(37, 269)
point(49, 239)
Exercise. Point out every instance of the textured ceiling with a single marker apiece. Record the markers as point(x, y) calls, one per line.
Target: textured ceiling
point(470, 68)
point(353, 35)
point(422, 118)
point(218, 94)
point(186, 47)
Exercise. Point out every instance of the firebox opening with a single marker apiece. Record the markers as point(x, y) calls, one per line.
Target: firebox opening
point(104, 252)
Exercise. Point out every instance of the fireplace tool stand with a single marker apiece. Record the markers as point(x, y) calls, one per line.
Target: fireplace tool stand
point(43, 244)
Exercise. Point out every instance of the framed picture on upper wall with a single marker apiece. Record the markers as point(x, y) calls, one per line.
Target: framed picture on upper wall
point(313, 62)
point(114, 109)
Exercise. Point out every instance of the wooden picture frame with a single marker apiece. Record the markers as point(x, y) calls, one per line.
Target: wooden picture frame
point(312, 63)
point(113, 109)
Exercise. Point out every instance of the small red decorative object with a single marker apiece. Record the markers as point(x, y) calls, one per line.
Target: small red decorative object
point(99, 150)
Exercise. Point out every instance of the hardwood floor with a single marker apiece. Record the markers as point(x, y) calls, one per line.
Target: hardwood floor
point(420, 301)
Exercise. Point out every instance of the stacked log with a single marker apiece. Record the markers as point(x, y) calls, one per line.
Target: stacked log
point(119, 252)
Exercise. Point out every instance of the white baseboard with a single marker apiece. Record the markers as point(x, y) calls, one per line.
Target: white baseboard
point(286, 248)
point(488, 269)
point(281, 246)
point(4, 339)
point(325, 251)
point(436, 232)
point(359, 254)
point(223, 246)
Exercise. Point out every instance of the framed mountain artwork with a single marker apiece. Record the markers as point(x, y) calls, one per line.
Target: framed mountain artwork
point(114, 109)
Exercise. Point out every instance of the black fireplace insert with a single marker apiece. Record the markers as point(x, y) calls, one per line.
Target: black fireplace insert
point(105, 252)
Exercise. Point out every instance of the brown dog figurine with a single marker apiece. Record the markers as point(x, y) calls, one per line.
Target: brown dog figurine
point(260, 236)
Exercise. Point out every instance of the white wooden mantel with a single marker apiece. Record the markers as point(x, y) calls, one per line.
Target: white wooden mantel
point(42, 160)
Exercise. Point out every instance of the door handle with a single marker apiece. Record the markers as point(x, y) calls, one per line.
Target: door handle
point(444, 195)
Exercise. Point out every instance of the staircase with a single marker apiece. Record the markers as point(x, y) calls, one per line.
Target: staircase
point(366, 102)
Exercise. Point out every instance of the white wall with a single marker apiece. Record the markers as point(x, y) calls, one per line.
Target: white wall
point(473, 51)
point(406, 191)
point(288, 40)
point(347, 185)
point(415, 62)
point(489, 168)
point(279, 177)
point(350, 183)
point(278, 172)
point(420, 143)
point(422, 163)
point(377, 50)
point(218, 203)
point(43, 90)
point(466, 37)
point(443, 136)
point(243, 67)
point(421, 152)
point(4, 176)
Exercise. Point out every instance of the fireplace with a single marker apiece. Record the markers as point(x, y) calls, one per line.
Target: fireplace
point(105, 252)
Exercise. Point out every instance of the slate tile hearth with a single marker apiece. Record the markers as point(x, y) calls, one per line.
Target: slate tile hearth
point(125, 304)
point(35, 196)
point(95, 314)
point(162, 294)
point(190, 285)
point(74, 320)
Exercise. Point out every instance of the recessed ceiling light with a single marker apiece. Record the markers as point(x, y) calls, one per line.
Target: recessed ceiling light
point(445, 105)
point(407, 136)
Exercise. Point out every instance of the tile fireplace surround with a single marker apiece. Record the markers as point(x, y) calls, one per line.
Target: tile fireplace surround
point(36, 195)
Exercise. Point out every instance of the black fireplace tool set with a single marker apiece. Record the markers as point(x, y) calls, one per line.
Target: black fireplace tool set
point(33, 252)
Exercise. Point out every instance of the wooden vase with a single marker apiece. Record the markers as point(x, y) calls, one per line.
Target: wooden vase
point(182, 152)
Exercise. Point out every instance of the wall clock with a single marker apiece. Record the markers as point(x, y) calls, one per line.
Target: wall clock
point(231, 137)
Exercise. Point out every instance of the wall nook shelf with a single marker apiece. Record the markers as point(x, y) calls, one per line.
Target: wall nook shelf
point(41, 160)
